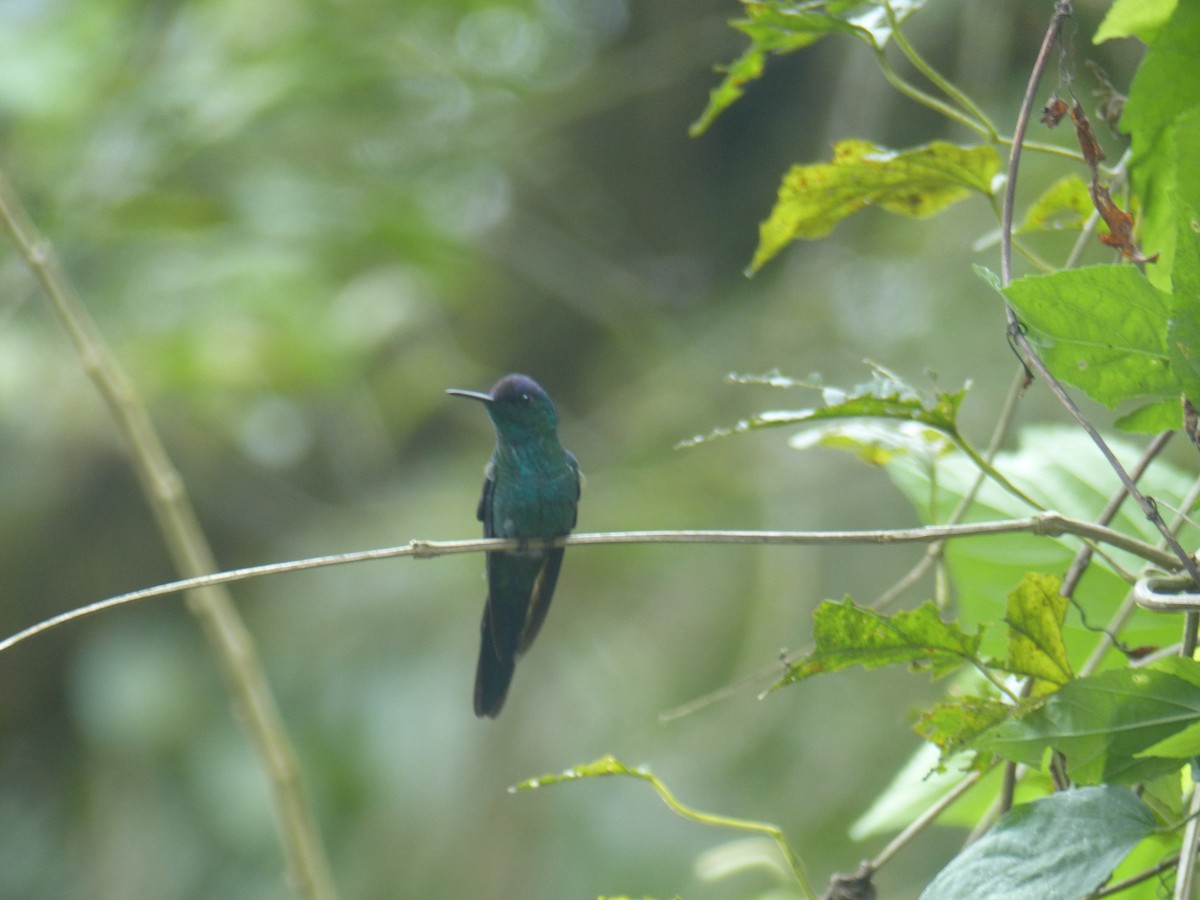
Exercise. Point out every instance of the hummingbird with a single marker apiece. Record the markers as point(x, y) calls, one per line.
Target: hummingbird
point(530, 490)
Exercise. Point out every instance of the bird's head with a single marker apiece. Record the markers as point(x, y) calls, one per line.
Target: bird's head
point(518, 407)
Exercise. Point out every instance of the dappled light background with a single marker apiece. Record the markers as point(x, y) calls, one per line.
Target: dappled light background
point(297, 224)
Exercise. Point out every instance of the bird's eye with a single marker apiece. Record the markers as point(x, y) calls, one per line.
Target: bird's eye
point(525, 398)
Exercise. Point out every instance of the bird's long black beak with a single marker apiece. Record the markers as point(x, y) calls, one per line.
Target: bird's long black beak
point(472, 395)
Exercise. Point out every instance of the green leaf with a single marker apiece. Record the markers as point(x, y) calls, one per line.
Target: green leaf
point(778, 28)
point(954, 724)
point(1036, 611)
point(1104, 725)
point(919, 182)
point(754, 856)
point(1165, 85)
point(605, 765)
point(1183, 744)
point(874, 442)
point(1134, 18)
point(1100, 328)
point(769, 33)
point(847, 635)
point(1061, 846)
point(1162, 117)
point(988, 276)
point(1183, 328)
point(1162, 415)
point(1180, 667)
point(1066, 204)
point(885, 397)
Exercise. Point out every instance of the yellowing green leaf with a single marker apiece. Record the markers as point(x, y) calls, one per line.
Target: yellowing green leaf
point(1066, 204)
point(1129, 18)
point(1035, 615)
point(918, 183)
point(955, 723)
point(885, 397)
point(605, 765)
point(847, 635)
point(777, 28)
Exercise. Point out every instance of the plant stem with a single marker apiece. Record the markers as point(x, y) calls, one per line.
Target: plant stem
point(985, 466)
point(723, 821)
point(1080, 563)
point(1111, 890)
point(919, 96)
point(1185, 877)
point(935, 78)
point(1083, 557)
point(1049, 149)
point(230, 641)
point(1061, 11)
point(923, 821)
point(934, 552)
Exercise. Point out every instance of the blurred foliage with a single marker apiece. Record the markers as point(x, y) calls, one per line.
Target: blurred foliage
point(298, 223)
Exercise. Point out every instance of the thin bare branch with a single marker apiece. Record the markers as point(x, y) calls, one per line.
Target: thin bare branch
point(1185, 878)
point(1118, 887)
point(1047, 524)
point(923, 821)
point(1082, 558)
point(1061, 11)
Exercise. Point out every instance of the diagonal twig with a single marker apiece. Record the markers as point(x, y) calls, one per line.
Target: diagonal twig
point(230, 641)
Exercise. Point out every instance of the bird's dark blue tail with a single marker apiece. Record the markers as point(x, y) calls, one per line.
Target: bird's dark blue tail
point(494, 672)
point(520, 586)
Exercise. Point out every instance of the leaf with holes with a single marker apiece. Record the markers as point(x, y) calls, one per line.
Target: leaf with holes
point(920, 182)
point(1035, 615)
point(848, 635)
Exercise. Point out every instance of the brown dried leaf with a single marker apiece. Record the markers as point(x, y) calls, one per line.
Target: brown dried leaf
point(1120, 225)
point(1054, 110)
point(1093, 154)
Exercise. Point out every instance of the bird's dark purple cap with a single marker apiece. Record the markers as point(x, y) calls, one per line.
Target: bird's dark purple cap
point(507, 388)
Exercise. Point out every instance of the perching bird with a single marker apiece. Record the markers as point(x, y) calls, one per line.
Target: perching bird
point(530, 490)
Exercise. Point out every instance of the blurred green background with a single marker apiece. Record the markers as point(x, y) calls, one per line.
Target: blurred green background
point(297, 224)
